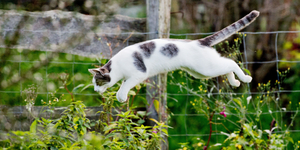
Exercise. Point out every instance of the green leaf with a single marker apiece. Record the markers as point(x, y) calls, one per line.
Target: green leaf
point(290, 139)
point(138, 87)
point(156, 105)
point(165, 131)
point(247, 71)
point(107, 142)
point(86, 87)
point(126, 113)
point(141, 121)
point(154, 120)
point(248, 148)
point(103, 61)
point(237, 101)
point(131, 93)
point(108, 128)
point(77, 87)
point(127, 128)
point(33, 127)
point(126, 141)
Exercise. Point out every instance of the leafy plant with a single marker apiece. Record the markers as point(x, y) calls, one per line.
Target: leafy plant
point(73, 130)
point(221, 103)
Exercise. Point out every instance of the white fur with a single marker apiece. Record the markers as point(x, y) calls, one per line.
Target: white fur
point(200, 61)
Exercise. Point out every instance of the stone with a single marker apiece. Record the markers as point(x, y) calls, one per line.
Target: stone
point(70, 32)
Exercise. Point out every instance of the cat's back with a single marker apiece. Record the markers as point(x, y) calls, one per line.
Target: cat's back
point(160, 55)
point(163, 49)
point(150, 47)
point(166, 49)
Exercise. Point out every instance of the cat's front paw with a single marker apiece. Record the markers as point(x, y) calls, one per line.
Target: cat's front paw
point(121, 97)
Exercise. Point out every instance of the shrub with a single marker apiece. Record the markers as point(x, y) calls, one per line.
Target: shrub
point(74, 131)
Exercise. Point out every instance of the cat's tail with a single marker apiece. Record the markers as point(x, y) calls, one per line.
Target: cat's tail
point(229, 30)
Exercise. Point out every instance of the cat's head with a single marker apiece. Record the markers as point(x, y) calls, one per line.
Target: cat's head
point(101, 79)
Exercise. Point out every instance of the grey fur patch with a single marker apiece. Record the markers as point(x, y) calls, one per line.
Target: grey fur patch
point(206, 41)
point(139, 62)
point(229, 30)
point(169, 50)
point(249, 18)
point(101, 78)
point(148, 48)
point(108, 65)
point(254, 14)
point(234, 26)
point(241, 22)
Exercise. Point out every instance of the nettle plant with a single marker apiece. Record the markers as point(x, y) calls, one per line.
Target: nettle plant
point(115, 129)
point(216, 98)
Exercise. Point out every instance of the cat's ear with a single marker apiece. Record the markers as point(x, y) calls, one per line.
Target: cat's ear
point(94, 71)
point(103, 71)
point(100, 71)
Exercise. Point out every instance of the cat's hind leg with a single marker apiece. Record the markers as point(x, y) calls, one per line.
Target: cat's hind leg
point(126, 86)
point(233, 67)
point(232, 80)
point(238, 71)
point(225, 66)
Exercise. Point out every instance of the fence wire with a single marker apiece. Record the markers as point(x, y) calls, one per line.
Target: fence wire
point(188, 95)
point(277, 60)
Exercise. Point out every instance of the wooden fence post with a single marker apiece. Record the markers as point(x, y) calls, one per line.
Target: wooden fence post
point(152, 26)
point(158, 21)
point(164, 29)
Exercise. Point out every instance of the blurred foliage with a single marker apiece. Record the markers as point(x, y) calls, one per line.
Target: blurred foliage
point(263, 107)
point(73, 131)
point(232, 112)
point(46, 79)
point(291, 48)
point(65, 70)
point(68, 71)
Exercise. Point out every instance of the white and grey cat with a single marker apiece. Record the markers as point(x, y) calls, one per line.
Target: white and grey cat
point(140, 61)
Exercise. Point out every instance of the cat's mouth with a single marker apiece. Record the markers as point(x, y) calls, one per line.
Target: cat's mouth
point(100, 89)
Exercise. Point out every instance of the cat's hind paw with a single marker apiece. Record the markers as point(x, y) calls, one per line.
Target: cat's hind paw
point(247, 79)
point(236, 83)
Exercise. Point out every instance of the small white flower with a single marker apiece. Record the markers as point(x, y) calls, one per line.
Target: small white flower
point(284, 109)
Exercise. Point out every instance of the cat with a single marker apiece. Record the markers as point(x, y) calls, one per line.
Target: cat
point(140, 61)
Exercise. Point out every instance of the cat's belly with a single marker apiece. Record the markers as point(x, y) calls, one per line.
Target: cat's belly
point(164, 69)
point(195, 74)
